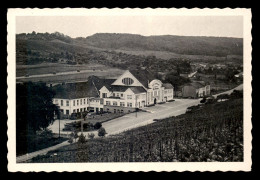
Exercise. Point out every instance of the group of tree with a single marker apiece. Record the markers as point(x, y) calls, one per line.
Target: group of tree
point(82, 138)
point(34, 111)
point(175, 79)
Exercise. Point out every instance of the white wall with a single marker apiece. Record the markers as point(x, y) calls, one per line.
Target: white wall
point(71, 107)
point(127, 74)
point(168, 93)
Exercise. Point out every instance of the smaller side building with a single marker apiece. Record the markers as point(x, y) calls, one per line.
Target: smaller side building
point(195, 90)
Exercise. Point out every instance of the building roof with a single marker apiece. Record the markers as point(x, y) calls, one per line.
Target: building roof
point(77, 90)
point(135, 89)
point(144, 76)
point(138, 89)
point(196, 85)
point(118, 88)
point(99, 83)
point(74, 90)
point(167, 86)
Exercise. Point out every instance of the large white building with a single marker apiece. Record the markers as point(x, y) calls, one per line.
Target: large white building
point(133, 89)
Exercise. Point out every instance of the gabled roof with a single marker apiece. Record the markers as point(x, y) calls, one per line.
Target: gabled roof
point(74, 90)
point(135, 89)
point(138, 89)
point(144, 76)
point(77, 90)
point(167, 86)
point(118, 88)
point(99, 83)
point(196, 85)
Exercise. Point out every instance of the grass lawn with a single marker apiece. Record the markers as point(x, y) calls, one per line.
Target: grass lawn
point(169, 55)
point(49, 68)
point(78, 76)
point(36, 143)
point(103, 117)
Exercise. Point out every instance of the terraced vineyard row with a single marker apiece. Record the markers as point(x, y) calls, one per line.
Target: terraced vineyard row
point(213, 133)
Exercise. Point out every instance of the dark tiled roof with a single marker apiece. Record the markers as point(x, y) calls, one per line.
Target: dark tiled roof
point(196, 84)
point(167, 86)
point(135, 89)
point(118, 88)
point(99, 83)
point(75, 90)
point(144, 76)
point(81, 89)
point(138, 89)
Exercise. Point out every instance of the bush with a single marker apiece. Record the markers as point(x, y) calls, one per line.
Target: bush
point(102, 132)
point(70, 140)
point(88, 126)
point(203, 100)
point(75, 135)
point(91, 136)
point(82, 138)
point(98, 125)
point(236, 94)
point(223, 96)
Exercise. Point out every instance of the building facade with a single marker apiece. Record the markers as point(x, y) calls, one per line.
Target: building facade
point(131, 91)
point(134, 90)
point(195, 90)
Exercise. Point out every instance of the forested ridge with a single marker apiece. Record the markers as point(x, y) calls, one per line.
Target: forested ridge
point(39, 47)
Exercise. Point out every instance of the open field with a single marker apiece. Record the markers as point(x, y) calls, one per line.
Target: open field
point(66, 73)
point(169, 55)
point(50, 68)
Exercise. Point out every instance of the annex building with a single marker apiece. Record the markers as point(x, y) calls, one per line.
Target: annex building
point(133, 89)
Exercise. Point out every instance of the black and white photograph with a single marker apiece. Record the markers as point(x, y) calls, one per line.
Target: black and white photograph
point(129, 89)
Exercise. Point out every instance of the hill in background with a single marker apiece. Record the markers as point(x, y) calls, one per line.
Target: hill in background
point(125, 50)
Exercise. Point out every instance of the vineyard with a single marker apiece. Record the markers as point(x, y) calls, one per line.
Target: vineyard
point(214, 133)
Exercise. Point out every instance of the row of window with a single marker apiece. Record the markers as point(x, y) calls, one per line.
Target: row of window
point(79, 102)
point(167, 91)
point(79, 110)
point(104, 95)
point(118, 111)
point(122, 104)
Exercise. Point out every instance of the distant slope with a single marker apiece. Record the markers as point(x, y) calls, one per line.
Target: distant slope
point(211, 46)
point(111, 49)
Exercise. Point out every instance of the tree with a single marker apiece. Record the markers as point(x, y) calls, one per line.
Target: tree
point(223, 96)
point(98, 125)
point(34, 107)
point(102, 132)
point(175, 79)
point(34, 112)
point(82, 138)
point(75, 134)
point(91, 136)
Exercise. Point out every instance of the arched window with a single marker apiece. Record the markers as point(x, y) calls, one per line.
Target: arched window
point(127, 81)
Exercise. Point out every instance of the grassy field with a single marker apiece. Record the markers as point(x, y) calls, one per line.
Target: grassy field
point(103, 117)
point(169, 55)
point(49, 68)
point(212, 133)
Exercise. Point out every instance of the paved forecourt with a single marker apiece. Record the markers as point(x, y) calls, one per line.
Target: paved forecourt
point(158, 111)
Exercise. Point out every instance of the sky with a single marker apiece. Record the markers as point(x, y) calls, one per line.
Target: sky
point(83, 26)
